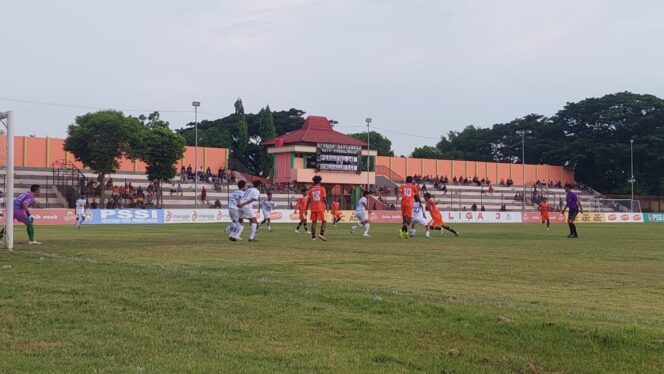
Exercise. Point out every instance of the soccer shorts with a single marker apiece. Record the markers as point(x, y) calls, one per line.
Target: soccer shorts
point(407, 211)
point(303, 215)
point(266, 214)
point(336, 215)
point(317, 216)
point(420, 221)
point(247, 212)
point(21, 216)
point(81, 217)
point(436, 221)
point(545, 217)
point(573, 213)
point(362, 215)
point(234, 214)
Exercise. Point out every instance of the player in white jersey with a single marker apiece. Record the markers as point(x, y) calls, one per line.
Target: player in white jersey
point(267, 206)
point(234, 230)
point(362, 213)
point(419, 216)
point(246, 208)
point(81, 202)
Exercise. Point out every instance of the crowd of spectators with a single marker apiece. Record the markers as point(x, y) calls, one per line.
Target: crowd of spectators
point(222, 177)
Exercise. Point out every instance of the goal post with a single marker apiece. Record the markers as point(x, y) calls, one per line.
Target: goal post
point(617, 206)
point(7, 119)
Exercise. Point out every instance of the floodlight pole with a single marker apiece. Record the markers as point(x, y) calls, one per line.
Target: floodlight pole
point(368, 121)
point(196, 104)
point(9, 181)
point(523, 164)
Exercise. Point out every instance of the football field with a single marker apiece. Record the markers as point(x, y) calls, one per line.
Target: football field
point(500, 298)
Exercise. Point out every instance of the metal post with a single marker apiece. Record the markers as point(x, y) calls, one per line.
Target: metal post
point(523, 168)
point(196, 104)
point(9, 180)
point(368, 120)
point(631, 180)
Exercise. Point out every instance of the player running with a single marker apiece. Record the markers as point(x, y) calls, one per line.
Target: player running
point(22, 205)
point(407, 192)
point(419, 217)
point(234, 230)
point(246, 208)
point(437, 222)
point(574, 205)
point(316, 201)
point(336, 212)
point(544, 208)
point(362, 212)
point(267, 206)
point(80, 210)
point(301, 208)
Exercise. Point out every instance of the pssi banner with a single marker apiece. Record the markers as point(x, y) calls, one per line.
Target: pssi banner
point(124, 216)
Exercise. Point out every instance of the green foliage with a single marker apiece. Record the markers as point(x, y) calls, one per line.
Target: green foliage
point(160, 148)
point(223, 133)
point(591, 136)
point(427, 151)
point(160, 299)
point(377, 142)
point(241, 139)
point(99, 139)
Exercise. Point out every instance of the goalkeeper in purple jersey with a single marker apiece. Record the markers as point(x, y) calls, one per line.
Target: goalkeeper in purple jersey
point(22, 205)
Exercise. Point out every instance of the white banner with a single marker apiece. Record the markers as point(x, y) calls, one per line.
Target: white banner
point(623, 217)
point(482, 217)
point(196, 215)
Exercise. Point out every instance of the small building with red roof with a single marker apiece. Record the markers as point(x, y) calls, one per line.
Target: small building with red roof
point(317, 149)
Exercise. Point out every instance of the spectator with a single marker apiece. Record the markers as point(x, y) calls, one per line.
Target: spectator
point(474, 207)
point(444, 189)
point(204, 195)
point(482, 209)
point(503, 208)
point(217, 204)
point(179, 190)
point(491, 190)
point(173, 189)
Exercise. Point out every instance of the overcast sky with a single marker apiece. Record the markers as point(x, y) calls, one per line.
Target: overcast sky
point(418, 67)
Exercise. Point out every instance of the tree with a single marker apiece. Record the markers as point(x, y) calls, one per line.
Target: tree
point(99, 139)
point(152, 120)
point(160, 148)
point(266, 132)
point(426, 151)
point(377, 142)
point(242, 134)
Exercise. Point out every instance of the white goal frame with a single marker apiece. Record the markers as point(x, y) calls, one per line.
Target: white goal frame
point(7, 119)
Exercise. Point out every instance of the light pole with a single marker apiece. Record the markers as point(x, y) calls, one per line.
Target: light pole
point(368, 121)
point(631, 180)
point(523, 164)
point(7, 119)
point(196, 104)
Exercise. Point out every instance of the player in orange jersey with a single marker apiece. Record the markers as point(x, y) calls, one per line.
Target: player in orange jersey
point(544, 208)
point(301, 208)
point(318, 205)
point(336, 212)
point(407, 192)
point(437, 222)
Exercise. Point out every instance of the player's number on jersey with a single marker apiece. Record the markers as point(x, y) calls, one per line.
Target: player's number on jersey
point(316, 195)
point(408, 192)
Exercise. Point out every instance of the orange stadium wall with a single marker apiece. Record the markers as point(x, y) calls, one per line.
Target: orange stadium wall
point(35, 152)
point(400, 167)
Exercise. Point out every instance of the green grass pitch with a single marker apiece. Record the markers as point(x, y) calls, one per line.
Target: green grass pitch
point(182, 298)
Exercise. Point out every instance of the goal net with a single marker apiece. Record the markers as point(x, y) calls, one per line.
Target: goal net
point(616, 205)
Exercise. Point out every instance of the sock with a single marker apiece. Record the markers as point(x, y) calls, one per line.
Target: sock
point(31, 232)
point(298, 226)
point(269, 227)
point(450, 229)
point(404, 228)
point(427, 234)
point(355, 227)
point(322, 228)
point(238, 231)
point(252, 233)
point(574, 229)
point(571, 230)
point(2, 233)
point(548, 223)
point(366, 228)
point(305, 227)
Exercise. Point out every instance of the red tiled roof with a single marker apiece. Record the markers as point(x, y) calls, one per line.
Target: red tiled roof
point(316, 129)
